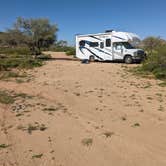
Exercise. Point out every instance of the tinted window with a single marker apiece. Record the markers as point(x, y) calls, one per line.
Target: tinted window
point(82, 43)
point(93, 44)
point(118, 46)
point(108, 43)
point(102, 45)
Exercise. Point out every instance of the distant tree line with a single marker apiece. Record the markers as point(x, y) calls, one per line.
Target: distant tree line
point(32, 36)
point(35, 34)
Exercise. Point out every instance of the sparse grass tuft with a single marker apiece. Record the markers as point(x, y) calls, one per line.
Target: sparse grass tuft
point(22, 95)
point(50, 109)
point(123, 118)
point(108, 134)
point(162, 84)
point(44, 56)
point(37, 156)
point(77, 94)
point(21, 127)
point(159, 94)
point(6, 98)
point(19, 114)
point(147, 86)
point(31, 128)
point(136, 125)
point(3, 146)
point(138, 71)
point(42, 127)
point(161, 108)
point(19, 81)
point(149, 98)
point(87, 141)
point(5, 75)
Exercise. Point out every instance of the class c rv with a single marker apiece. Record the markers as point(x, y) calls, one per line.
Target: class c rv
point(109, 46)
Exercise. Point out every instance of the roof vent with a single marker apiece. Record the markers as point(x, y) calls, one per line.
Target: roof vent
point(109, 30)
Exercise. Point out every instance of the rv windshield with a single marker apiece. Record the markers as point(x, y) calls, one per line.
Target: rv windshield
point(127, 45)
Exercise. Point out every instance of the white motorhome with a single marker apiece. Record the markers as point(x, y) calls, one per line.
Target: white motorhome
point(109, 46)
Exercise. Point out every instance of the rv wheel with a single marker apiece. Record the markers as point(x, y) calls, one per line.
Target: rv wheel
point(128, 59)
point(91, 58)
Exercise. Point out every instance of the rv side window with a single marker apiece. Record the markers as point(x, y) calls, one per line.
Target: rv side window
point(118, 46)
point(102, 45)
point(82, 43)
point(108, 43)
point(93, 44)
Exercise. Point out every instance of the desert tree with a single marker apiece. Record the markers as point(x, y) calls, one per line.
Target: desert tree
point(61, 43)
point(151, 43)
point(37, 33)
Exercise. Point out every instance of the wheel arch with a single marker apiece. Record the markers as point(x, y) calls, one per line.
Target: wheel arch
point(126, 56)
point(128, 59)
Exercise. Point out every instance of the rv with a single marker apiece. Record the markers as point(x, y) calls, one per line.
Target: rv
point(109, 46)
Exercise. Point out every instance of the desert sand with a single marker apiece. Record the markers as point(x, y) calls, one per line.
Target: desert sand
point(76, 114)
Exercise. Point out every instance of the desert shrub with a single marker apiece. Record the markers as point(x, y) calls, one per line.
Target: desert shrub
point(30, 63)
point(156, 63)
point(25, 62)
point(10, 74)
point(19, 57)
point(6, 98)
point(57, 48)
point(44, 56)
point(15, 51)
point(71, 51)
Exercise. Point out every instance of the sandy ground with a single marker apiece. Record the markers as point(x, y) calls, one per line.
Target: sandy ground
point(94, 115)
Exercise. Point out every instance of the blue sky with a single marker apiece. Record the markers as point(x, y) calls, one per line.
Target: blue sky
point(143, 17)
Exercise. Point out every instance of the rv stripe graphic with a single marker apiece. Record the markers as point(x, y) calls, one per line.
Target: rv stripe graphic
point(102, 51)
point(118, 37)
point(95, 38)
point(90, 52)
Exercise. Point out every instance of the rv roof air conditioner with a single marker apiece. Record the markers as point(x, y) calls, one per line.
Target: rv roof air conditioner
point(109, 31)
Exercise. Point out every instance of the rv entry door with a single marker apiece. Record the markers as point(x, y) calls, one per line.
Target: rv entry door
point(118, 50)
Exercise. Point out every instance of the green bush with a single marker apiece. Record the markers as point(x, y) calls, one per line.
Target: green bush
point(6, 98)
point(58, 48)
point(15, 51)
point(27, 62)
point(44, 56)
point(71, 51)
point(156, 63)
point(67, 49)
point(30, 63)
point(20, 58)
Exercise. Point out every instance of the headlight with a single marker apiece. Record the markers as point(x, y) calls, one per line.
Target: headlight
point(140, 52)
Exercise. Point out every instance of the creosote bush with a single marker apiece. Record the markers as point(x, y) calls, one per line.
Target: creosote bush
point(26, 62)
point(15, 51)
point(6, 98)
point(156, 63)
point(67, 49)
point(18, 58)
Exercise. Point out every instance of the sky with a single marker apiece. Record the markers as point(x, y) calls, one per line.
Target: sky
point(143, 17)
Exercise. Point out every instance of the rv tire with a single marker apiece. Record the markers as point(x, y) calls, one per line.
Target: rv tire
point(128, 59)
point(91, 58)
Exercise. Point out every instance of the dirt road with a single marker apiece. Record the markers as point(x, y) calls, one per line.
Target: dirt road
point(77, 114)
